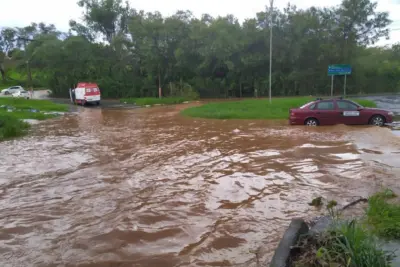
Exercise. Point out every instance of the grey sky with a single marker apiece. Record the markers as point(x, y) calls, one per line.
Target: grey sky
point(59, 12)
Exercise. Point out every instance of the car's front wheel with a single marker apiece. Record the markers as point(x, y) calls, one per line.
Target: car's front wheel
point(6, 92)
point(311, 122)
point(377, 120)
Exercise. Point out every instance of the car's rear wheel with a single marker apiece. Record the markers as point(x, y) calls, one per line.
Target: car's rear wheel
point(6, 92)
point(311, 122)
point(377, 120)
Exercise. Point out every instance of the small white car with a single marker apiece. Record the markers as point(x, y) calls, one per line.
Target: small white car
point(22, 93)
point(11, 90)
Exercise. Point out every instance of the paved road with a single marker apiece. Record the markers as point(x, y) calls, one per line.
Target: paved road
point(39, 94)
point(391, 102)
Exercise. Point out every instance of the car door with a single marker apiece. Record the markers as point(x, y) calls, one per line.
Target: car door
point(349, 113)
point(326, 113)
point(13, 89)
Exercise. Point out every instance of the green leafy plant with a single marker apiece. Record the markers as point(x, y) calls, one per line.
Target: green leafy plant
point(383, 216)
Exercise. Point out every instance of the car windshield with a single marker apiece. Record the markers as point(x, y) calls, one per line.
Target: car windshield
point(306, 105)
point(358, 105)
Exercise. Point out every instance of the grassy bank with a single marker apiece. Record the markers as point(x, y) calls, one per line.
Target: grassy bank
point(27, 104)
point(11, 127)
point(383, 215)
point(14, 110)
point(254, 108)
point(354, 243)
point(155, 101)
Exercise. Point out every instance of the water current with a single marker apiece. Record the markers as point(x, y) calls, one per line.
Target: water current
point(147, 187)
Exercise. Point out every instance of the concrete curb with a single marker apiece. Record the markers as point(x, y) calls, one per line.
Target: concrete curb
point(282, 254)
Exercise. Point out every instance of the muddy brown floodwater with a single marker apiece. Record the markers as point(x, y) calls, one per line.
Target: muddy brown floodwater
point(147, 187)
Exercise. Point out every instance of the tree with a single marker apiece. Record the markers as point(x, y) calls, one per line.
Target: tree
point(214, 57)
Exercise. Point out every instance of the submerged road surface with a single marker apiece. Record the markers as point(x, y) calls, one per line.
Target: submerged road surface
point(147, 187)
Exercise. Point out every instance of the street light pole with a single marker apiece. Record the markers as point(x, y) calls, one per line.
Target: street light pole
point(271, 2)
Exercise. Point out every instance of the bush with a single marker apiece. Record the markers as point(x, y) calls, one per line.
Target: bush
point(182, 89)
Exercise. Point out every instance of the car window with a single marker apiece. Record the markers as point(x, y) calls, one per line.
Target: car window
point(325, 105)
point(305, 105)
point(346, 105)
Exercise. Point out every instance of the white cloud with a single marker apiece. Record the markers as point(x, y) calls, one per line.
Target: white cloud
point(60, 12)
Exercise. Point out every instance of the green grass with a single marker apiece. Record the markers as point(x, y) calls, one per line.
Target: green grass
point(21, 115)
point(347, 244)
point(354, 243)
point(11, 124)
point(11, 127)
point(254, 108)
point(24, 104)
point(154, 101)
point(384, 216)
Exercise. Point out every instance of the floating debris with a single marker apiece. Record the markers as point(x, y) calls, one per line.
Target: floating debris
point(236, 131)
point(54, 113)
point(31, 121)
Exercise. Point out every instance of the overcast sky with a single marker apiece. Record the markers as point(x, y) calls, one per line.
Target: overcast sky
point(59, 12)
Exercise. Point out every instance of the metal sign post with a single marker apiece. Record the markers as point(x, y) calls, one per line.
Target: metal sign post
point(339, 69)
point(271, 2)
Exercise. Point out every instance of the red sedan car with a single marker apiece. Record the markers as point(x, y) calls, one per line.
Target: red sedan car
point(338, 111)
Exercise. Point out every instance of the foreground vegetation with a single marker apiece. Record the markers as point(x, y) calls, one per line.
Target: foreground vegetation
point(27, 104)
point(14, 110)
point(216, 57)
point(11, 127)
point(254, 108)
point(355, 243)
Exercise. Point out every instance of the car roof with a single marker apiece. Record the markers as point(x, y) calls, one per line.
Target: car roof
point(330, 99)
point(319, 99)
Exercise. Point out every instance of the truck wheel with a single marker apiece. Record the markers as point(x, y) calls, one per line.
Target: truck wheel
point(377, 120)
point(98, 103)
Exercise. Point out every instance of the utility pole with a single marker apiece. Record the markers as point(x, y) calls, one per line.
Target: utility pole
point(28, 68)
point(271, 2)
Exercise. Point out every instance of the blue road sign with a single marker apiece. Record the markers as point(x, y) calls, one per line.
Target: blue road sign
point(339, 69)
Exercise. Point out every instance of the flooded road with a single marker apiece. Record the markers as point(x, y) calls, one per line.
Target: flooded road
point(147, 187)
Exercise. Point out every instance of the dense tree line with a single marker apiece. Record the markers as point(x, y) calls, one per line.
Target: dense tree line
point(131, 53)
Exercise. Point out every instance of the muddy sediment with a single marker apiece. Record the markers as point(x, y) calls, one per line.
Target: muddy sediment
point(147, 187)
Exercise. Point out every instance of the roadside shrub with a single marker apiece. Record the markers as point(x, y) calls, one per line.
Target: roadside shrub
point(182, 89)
